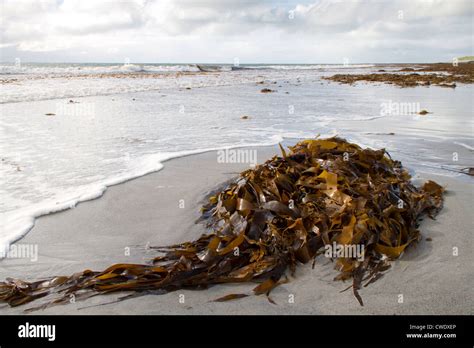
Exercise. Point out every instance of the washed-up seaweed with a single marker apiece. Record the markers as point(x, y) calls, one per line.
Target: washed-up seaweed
point(273, 217)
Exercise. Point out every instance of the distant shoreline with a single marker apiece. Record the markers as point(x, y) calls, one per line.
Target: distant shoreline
point(440, 74)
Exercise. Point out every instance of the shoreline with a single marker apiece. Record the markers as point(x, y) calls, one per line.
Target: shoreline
point(444, 75)
point(98, 190)
point(96, 233)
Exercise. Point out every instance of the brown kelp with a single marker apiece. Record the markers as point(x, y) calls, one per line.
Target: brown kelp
point(281, 213)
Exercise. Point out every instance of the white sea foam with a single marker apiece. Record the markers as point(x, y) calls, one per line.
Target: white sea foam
point(91, 81)
point(309, 67)
point(29, 82)
point(471, 148)
point(81, 69)
point(15, 224)
point(78, 69)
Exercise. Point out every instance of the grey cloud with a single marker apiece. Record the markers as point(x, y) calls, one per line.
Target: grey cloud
point(293, 28)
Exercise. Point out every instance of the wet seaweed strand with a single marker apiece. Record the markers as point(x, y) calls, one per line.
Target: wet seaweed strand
point(270, 219)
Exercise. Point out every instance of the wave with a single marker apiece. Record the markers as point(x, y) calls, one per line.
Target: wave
point(84, 69)
point(155, 68)
point(466, 146)
point(302, 67)
point(214, 68)
point(80, 69)
point(131, 68)
point(16, 224)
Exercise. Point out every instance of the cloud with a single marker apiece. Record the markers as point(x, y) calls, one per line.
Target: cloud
point(218, 31)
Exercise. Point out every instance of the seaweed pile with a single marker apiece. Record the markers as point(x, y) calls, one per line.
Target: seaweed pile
point(270, 219)
point(441, 75)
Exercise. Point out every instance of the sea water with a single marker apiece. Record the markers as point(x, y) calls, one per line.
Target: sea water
point(68, 131)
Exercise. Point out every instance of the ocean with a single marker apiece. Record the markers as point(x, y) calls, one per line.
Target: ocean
point(68, 131)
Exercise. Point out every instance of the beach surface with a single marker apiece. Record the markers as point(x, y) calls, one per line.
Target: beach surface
point(68, 137)
point(432, 277)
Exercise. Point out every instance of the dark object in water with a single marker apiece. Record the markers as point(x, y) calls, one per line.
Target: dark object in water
point(217, 68)
point(209, 68)
point(266, 90)
point(447, 85)
point(468, 171)
point(272, 218)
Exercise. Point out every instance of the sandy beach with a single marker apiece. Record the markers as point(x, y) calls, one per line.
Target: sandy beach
point(149, 210)
point(123, 136)
point(301, 169)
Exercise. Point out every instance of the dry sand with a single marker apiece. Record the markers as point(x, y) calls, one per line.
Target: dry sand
point(97, 233)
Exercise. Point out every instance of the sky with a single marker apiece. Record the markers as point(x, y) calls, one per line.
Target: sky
point(224, 31)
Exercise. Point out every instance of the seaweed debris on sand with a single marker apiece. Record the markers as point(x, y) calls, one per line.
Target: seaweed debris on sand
point(271, 218)
point(441, 75)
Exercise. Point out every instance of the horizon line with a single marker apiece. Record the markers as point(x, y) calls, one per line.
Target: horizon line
point(220, 63)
